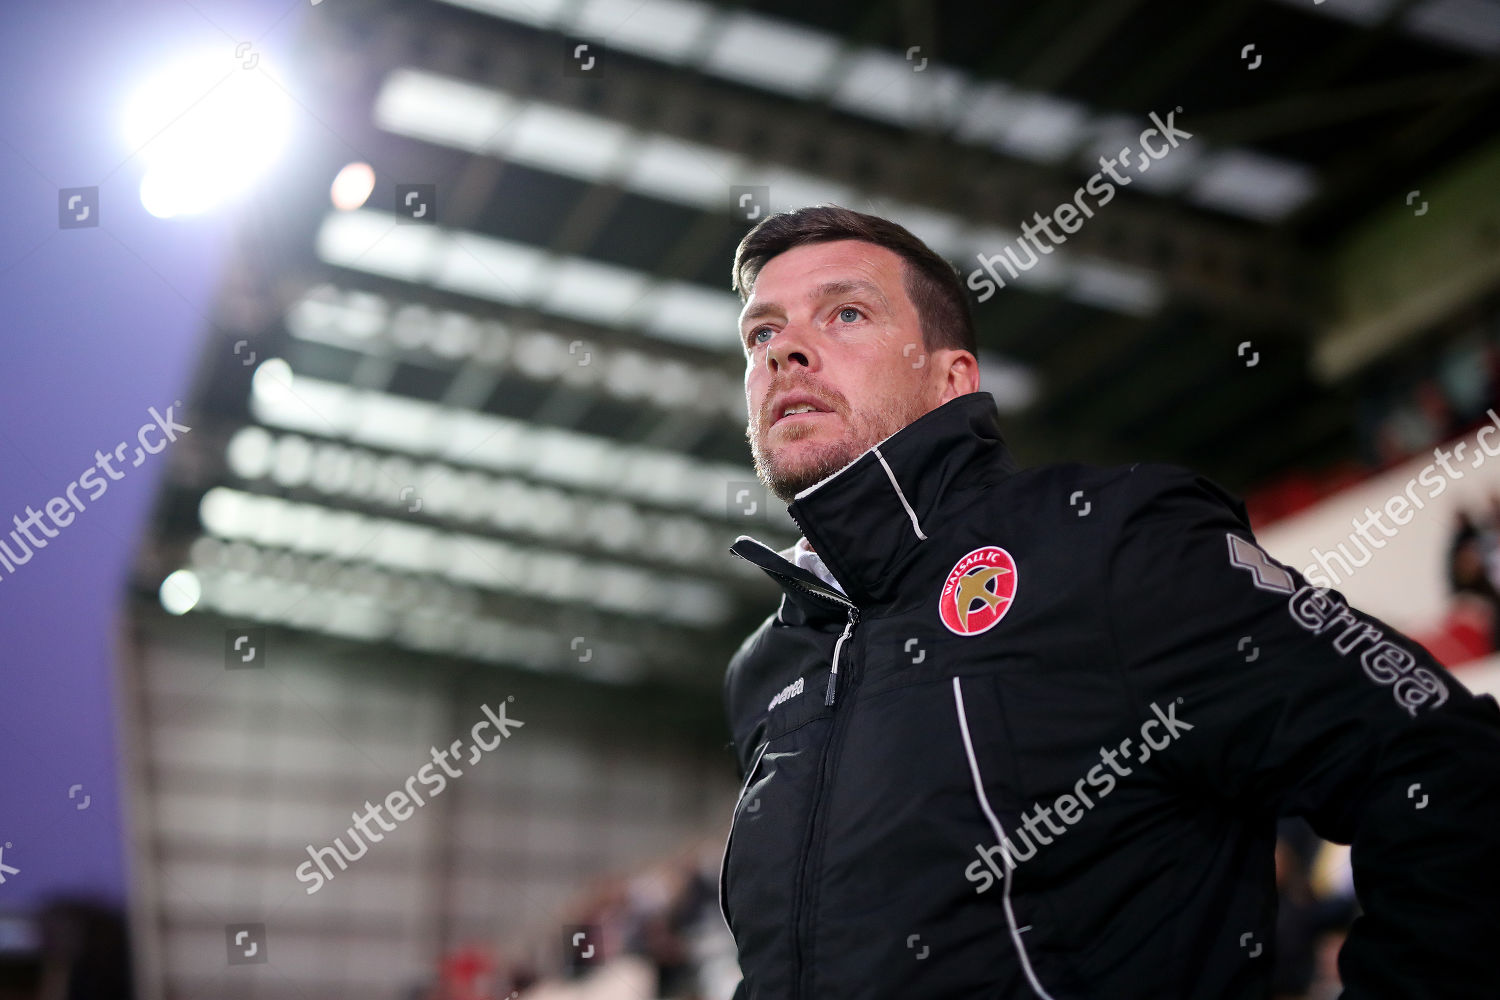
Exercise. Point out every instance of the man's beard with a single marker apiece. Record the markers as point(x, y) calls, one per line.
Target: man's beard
point(867, 429)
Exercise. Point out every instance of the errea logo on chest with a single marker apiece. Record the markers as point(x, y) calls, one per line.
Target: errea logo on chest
point(979, 591)
point(790, 691)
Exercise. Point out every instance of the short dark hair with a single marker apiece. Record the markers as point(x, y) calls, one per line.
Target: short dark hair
point(931, 282)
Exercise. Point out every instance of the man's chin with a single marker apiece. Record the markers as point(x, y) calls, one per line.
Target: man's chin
point(792, 468)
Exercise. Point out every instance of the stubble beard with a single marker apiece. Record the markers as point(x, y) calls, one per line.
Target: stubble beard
point(867, 429)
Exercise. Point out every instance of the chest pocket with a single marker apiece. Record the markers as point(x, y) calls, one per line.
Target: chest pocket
point(768, 828)
point(733, 818)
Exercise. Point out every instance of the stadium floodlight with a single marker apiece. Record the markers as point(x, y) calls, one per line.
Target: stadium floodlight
point(207, 127)
point(772, 53)
point(1251, 185)
point(352, 187)
point(180, 592)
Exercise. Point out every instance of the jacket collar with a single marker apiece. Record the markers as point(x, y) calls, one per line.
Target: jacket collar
point(868, 521)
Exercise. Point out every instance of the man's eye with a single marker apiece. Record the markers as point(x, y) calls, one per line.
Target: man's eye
point(755, 335)
point(849, 314)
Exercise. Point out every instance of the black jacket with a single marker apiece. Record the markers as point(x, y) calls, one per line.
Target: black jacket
point(1130, 695)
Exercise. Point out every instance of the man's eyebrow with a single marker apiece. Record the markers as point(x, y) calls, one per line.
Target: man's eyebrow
point(759, 310)
point(829, 289)
point(849, 287)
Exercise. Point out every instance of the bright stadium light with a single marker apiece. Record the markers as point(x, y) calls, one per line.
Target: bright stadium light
point(352, 187)
point(206, 127)
point(180, 592)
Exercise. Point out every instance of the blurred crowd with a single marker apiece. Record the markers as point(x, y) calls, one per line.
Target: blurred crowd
point(1414, 404)
point(1314, 907)
point(656, 934)
point(1470, 629)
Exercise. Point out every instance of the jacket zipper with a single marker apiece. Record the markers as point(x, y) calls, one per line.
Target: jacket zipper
point(825, 777)
point(853, 610)
point(827, 595)
point(803, 905)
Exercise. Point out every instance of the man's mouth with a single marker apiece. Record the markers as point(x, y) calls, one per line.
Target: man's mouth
point(797, 412)
point(796, 408)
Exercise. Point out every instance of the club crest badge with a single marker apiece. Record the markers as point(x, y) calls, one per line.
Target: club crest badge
point(979, 591)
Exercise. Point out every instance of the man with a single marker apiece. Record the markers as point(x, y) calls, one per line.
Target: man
point(1026, 733)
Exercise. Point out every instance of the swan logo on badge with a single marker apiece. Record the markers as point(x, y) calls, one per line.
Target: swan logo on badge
point(979, 591)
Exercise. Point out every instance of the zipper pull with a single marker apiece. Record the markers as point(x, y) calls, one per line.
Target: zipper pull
point(833, 674)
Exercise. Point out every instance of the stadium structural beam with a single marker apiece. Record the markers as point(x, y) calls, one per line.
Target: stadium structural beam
point(1413, 264)
point(1227, 267)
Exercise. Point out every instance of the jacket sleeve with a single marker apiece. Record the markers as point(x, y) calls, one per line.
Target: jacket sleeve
point(1307, 707)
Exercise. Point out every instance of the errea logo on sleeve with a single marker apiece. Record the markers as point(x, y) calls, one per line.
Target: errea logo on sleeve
point(1383, 661)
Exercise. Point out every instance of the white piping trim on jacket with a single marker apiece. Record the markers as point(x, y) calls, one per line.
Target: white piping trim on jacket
point(851, 465)
point(802, 493)
point(901, 496)
point(734, 813)
point(999, 831)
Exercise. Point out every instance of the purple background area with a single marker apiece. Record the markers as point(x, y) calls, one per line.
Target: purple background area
point(99, 324)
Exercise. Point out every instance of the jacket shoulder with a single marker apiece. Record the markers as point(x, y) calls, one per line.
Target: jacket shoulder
point(1154, 483)
point(1130, 485)
point(1116, 493)
point(1070, 475)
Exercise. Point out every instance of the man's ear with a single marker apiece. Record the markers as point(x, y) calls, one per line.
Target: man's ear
point(959, 370)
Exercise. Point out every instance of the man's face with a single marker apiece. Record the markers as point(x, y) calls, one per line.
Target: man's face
point(829, 326)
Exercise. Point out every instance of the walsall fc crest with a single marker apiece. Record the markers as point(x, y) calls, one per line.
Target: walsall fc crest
point(979, 591)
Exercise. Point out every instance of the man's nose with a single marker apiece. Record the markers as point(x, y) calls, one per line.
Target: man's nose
point(789, 347)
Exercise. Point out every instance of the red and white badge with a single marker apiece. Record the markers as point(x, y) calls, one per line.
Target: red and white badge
point(979, 591)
